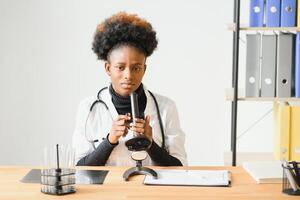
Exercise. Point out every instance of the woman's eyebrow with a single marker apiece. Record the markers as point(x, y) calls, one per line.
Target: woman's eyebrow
point(134, 63)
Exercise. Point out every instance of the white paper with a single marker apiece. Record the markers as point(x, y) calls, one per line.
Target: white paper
point(264, 171)
point(190, 177)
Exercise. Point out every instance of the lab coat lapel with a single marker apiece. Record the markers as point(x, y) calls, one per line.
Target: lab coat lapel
point(149, 106)
point(152, 112)
point(106, 97)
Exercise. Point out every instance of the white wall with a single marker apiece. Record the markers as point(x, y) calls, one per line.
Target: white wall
point(47, 66)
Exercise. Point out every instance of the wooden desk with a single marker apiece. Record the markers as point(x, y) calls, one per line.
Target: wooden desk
point(243, 187)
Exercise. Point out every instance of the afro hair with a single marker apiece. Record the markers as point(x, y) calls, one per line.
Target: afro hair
point(124, 29)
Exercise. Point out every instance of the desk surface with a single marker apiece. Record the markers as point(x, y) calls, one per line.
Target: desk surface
point(243, 187)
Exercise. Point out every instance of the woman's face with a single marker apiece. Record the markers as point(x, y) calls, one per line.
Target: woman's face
point(126, 68)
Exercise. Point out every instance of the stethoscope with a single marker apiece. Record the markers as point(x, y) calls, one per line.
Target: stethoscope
point(99, 100)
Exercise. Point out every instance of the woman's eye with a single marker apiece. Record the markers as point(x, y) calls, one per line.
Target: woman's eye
point(136, 68)
point(120, 68)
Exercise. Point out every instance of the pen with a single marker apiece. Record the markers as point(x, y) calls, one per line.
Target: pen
point(297, 173)
point(290, 176)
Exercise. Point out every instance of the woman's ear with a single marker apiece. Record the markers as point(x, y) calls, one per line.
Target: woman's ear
point(107, 68)
point(145, 65)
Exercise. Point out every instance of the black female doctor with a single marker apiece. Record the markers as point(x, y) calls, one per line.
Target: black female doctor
point(124, 41)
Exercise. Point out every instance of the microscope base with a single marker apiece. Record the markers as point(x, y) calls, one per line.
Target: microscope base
point(138, 171)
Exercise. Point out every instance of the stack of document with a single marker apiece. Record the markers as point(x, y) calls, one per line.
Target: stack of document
point(264, 172)
point(190, 178)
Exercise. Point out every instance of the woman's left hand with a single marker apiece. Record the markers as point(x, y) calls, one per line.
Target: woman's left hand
point(142, 127)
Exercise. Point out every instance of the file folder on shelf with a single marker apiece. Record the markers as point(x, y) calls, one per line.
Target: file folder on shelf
point(282, 117)
point(256, 13)
point(297, 66)
point(285, 65)
point(268, 65)
point(288, 13)
point(273, 13)
point(295, 134)
point(253, 65)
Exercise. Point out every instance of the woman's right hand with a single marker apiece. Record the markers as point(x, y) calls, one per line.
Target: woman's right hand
point(119, 128)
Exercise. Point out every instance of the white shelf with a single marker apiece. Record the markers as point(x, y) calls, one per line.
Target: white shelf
point(231, 27)
point(241, 97)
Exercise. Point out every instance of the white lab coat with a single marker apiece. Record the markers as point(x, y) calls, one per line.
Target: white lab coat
point(99, 124)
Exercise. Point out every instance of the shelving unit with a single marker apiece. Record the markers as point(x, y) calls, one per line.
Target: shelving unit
point(233, 94)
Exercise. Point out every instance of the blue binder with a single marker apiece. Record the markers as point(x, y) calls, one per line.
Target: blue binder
point(273, 13)
point(256, 13)
point(288, 13)
point(297, 66)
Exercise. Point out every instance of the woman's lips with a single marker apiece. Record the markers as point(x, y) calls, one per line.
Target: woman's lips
point(127, 85)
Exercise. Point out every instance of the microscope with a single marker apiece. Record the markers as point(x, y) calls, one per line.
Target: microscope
point(138, 145)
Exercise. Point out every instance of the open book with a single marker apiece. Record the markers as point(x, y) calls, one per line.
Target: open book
point(190, 178)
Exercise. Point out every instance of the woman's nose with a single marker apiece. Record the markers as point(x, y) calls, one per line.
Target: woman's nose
point(127, 73)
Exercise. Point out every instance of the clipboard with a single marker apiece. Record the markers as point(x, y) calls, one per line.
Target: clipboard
point(205, 178)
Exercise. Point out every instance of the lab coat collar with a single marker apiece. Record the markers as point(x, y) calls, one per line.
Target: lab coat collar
point(106, 97)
